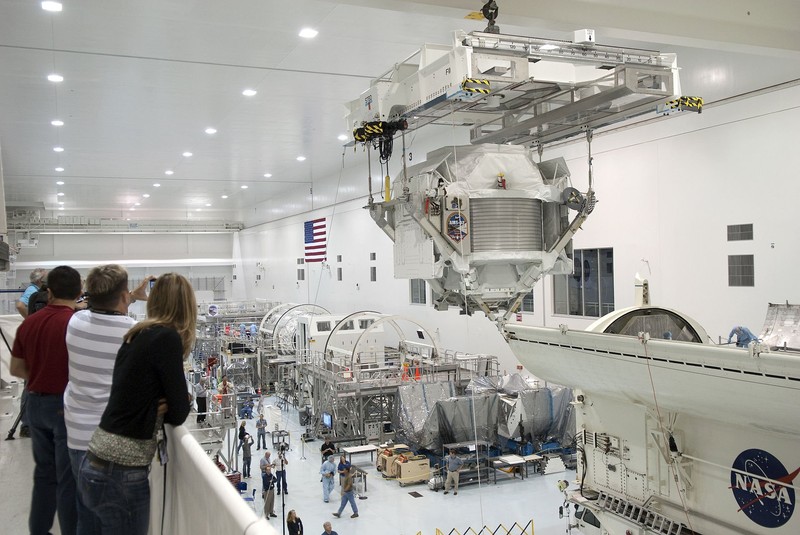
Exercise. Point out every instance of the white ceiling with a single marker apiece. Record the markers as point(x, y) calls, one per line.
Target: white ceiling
point(144, 79)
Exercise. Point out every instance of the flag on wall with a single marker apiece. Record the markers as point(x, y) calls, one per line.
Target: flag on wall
point(315, 238)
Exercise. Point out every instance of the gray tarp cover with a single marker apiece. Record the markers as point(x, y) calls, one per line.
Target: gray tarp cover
point(500, 408)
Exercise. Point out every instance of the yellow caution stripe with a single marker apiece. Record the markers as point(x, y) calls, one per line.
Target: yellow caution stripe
point(686, 103)
point(476, 85)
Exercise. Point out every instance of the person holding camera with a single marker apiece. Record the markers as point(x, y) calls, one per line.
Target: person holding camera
point(280, 471)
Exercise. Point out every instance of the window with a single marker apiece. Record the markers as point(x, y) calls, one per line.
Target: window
point(323, 326)
point(373, 274)
point(741, 270)
point(338, 258)
point(363, 324)
point(740, 232)
point(527, 302)
point(372, 256)
point(301, 274)
point(338, 274)
point(418, 291)
point(589, 291)
point(300, 261)
point(347, 326)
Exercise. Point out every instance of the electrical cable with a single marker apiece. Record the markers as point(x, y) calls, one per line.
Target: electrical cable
point(671, 465)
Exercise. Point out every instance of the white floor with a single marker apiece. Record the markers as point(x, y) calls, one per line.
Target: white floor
point(387, 509)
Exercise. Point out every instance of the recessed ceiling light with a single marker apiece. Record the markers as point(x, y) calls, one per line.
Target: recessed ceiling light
point(127, 219)
point(197, 209)
point(60, 207)
point(60, 193)
point(187, 154)
point(224, 196)
point(52, 6)
point(308, 33)
point(210, 130)
point(549, 47)
point(342, 137)
point(58, 149)
point(60, 183)
point(60, 202)
point(133, 209)
point(301, 158)
point(146, 195)
point(249, 92)
point(169, 172)
point(137, 204)
point(267, 175)
point(59, 170)
point(244, 187)
point(208, 204)
point(57, 122)
point(156, 185)
point(55, 77)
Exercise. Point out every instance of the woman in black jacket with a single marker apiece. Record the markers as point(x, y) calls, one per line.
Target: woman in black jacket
point(294, 524)
point(148, 389)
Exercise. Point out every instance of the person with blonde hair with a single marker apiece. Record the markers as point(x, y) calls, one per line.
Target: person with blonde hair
point(294, 524)
point(148, 389)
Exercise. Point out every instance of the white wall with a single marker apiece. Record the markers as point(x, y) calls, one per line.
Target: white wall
point(667, 192)
point(192, 255)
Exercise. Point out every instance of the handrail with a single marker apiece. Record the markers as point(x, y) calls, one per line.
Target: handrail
point(218, 509)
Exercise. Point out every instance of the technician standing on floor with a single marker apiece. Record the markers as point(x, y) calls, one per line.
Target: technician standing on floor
point(453, 463)
point(93, 338)
point(280, 471)
point(261, 426)
point(327, 470)
point(147, 390)
point(247, 456)
point(268, 481)
point(40, 357)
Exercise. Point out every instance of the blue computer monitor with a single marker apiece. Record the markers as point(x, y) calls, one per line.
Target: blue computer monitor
point(327, 420)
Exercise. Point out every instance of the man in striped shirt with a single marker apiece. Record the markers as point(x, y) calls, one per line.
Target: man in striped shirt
point(94, 336)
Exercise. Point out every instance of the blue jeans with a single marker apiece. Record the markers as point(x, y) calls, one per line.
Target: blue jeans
point(88, 523)
point(281, 475)
point(53, 482)
point(262, 439)
point(246, 466)
point(348, 497)
point(118, 495)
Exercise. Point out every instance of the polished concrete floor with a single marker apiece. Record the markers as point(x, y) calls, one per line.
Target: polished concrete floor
point(386, 508)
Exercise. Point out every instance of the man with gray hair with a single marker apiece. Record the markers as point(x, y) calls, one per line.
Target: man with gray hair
point(38, 277)
point(94, 337)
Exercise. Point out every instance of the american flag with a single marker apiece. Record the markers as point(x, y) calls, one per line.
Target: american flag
point(315, 239)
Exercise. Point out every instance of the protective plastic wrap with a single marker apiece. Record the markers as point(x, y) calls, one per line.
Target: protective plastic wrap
point(417, 402)
point(500, 407)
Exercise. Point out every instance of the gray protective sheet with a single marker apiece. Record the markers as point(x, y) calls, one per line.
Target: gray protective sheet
point(497, 409)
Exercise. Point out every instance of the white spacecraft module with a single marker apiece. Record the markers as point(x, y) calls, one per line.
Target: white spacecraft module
point(481, 224)
point(676, 435)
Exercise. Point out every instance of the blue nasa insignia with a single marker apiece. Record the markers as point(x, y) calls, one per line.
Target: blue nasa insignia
point(758, 490)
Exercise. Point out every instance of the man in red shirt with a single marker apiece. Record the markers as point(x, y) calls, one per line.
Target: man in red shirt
point(40, 357)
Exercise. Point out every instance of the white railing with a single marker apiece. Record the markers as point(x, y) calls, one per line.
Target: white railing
point(198, 498)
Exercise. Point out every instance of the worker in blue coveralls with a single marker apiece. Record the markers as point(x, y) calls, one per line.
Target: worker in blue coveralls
point(743, 336)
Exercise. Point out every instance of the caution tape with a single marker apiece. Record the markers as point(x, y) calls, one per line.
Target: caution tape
point(476, 85)
point(686, 103)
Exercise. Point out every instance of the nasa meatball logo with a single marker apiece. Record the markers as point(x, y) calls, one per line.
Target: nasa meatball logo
point(757, 482)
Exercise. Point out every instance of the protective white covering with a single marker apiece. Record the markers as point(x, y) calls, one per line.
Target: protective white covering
point(471, 168)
